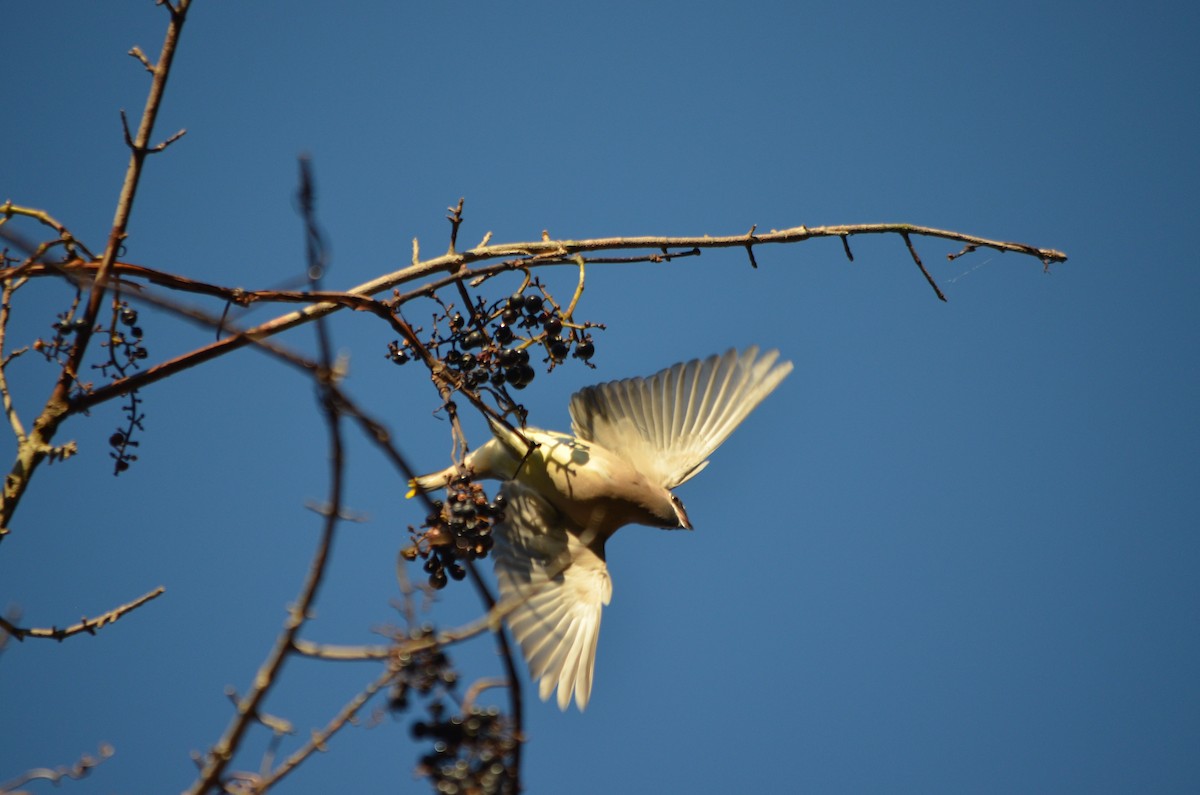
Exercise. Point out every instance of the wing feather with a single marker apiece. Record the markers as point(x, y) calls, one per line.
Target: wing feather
point(667, 425)
point(561, 585)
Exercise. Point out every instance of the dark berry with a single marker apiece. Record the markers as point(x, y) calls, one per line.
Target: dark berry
point(473, 340)
point(504, 334)
point(438, 579)
point(116, 439)
point(553, 325)
point(516, 302)
point(498, 378)
point(558, 350)
point(457, 322)
point(533, 303)
point(509, 316)
point(585, 350)
point(520, 375)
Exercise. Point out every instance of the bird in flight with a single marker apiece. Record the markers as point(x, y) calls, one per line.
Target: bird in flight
point(633, 441)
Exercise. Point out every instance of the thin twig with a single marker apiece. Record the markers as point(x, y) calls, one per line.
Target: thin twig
point(5, 394)
point(917, 259)
point(219, 757)
point(846, 247)
point(455, 218)
point(88, 625)
point(75, 771)
point(319, 738)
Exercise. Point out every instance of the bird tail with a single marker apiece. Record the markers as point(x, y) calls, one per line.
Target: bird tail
point(431, 482)
point(492, 460)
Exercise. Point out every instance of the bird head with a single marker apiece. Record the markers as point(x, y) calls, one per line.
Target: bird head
point(680, 512)
point(665, 510)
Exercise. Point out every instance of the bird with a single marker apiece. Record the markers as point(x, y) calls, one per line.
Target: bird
point(633, 441)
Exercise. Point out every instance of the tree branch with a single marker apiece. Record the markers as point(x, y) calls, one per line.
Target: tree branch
point(37, 445)
point(55, 775)
point(526, 254)
point(88, 625)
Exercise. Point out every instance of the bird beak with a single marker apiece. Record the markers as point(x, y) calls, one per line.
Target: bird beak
point(681, 513)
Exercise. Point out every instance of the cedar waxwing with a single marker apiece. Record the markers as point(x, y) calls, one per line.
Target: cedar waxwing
point(634, 440)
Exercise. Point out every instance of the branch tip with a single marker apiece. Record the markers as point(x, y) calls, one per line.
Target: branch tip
point(917, 259)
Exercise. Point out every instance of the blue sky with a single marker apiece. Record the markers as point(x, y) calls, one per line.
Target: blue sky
point(955, 552)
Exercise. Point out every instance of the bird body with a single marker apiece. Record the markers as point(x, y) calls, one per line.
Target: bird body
point(634, 441)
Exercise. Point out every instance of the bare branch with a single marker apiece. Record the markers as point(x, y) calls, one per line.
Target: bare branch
point(5, 394)
point(136, 52)
point(455, 218)
point(219, 757)
point(36, 445)
point(529, 254)
point(88, 625)
point(320, 738)
point(55, 775)
point(73, 246)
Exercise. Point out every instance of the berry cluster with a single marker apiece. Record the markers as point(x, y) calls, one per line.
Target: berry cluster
point(124, 342)
point(420, 671)
point(492, 346)
point(120, 442)
point(124, 339)
point(456, 530)
point(125, 351)
point(471, 752)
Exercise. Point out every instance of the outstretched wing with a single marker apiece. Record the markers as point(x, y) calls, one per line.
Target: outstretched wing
point(668, 424)
point(561, 584)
